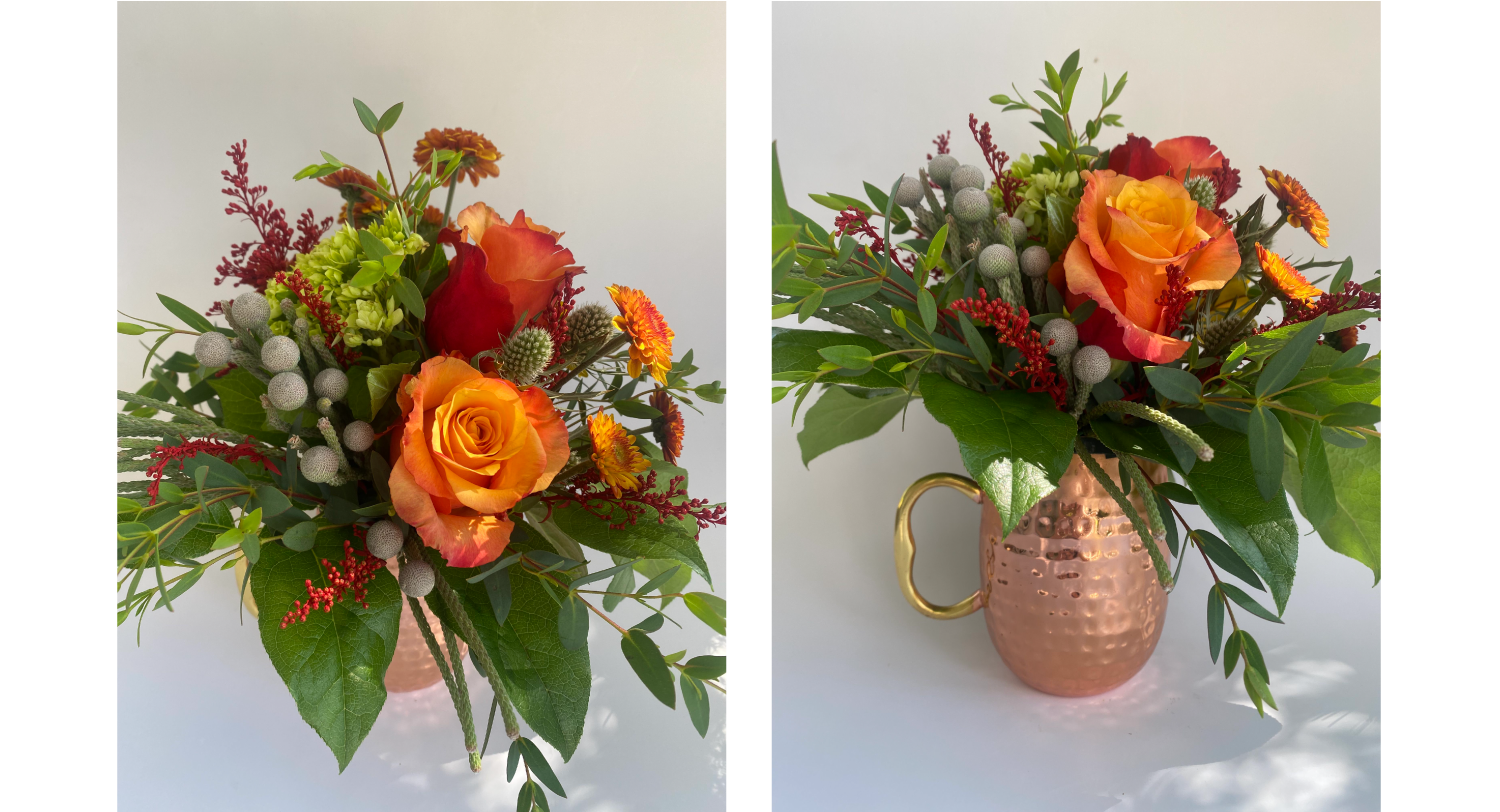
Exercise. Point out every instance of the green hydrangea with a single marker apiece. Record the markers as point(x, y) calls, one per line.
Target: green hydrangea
point(369, 312)
point(1033, 207)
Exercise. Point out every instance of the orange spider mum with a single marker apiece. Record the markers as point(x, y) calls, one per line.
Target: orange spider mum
point(1301, 210)
point(479, 153)
point(650, 337)
point(669, 426)
point(615, 454)
point(1284, 277)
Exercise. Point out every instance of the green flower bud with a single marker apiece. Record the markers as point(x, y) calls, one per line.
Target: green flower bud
point(1090, 364)
point(909, 193)
point(383, 539)
point(996, 261)
point(1201, 188)
point(319, 464)
point(967, 177)
point(359, 436)
point(1062, 334)
point(212, 349)
point(526, 354)
point(940, 169)
point(417, 578)
point(587, 323)
point(1035, 262)
point(971, 206)
point(279, 354)
point(332, 384)
point(287, 391)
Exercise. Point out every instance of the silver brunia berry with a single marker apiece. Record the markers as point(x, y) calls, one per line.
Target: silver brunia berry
point(331, 383)
point(996, 261)
point(967, 177)
point(1062, 334)
point(319, 463)
point(250, 309)
point(1090, 364)
point(1035, 262)
point(287, 391)
point(971, 205)
point(909, 193)
point(940, 169)
point(417, 578)
point(280, 354)
point(383, 539)
point(212, 349)
point(359, 436)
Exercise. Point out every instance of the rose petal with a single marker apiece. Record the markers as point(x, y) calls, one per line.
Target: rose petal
point(1211, 266)
point(470, 311)
point(1137, 159)
point(1193, 151)
point(553, 431)
point(1084, 278)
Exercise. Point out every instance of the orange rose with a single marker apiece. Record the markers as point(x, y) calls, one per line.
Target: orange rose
point(1129, 232)
point(470, 449)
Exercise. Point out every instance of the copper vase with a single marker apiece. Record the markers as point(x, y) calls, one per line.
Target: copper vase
point(1070, 596)
point(412, 667)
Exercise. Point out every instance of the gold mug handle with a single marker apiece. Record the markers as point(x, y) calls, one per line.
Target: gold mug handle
point(906, 548)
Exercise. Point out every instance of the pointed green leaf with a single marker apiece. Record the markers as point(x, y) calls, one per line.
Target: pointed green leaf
point(1017, 445)
point(1215, 622)
point(646, 660)
point(189, 316)
point(367, 117)
point(1238, 596)
point(840, 417)
point(389, 117)
point(1286, 363)
point(1267, 451)
point(333, 662)
point(695, 697)
point(1177, 384)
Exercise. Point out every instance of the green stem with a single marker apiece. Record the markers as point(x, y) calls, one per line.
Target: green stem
point(1163, 572)
point(448, 207)
point(466, 711)
point(460, 698)
point(416, 549)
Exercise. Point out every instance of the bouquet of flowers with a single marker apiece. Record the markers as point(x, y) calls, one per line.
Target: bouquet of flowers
point(404, 392)
point(1090, 300)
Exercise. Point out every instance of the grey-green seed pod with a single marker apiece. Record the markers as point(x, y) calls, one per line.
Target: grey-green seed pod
point(526, 354)
point(212, 349)
point(1017, 229)
point(1062, 334)
point(250, 309)
point(1035, 262)
point(319, 464)
point(332, 384)
point(279, 354)
point(909, 193)
point(1090, 364)
point(971, 206)
point(967, 177)
point(359, 436)
point(288, 391)
point(417, 578)
point(940, 169)
point(383, 539)
point(996, 261)
point(588, 322)
point(1201, 188)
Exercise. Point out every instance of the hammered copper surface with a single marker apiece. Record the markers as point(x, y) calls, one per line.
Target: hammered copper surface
point(413, 668)
point(1070, 597)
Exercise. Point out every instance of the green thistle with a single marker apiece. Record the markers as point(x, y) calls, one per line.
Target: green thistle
point(526, 354)
point(1201, 187)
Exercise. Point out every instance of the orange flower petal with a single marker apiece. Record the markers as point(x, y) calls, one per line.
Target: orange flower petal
point(1211, 266)
point(1190, 151)
point(528, 263)
point(1085, 279)
point(1284, 277)
point(550, 427)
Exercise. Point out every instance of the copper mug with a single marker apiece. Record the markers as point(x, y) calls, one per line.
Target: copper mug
point(1070, 596)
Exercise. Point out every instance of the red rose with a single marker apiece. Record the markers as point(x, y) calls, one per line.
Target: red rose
point(509, 270)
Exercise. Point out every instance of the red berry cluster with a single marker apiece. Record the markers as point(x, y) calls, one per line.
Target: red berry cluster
point(164, 454)
point(555, 321)
point(1352, 297)
point(329, 322)
point(1174, 299)
point(601, 502)
point(1013, 329)
point(359, 568)
point(255, 262)
point(1010, 187)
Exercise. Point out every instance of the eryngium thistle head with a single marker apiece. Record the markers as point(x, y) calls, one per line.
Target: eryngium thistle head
point(1217, 333)
point(526, 354)
point(417, 578)
point(1035, 262)
point(909, 193)
point(212, 349)
point(1062, 334)
point(383, 539)
point(967, 176)
point(1090, 364)
point(587, 323)
point(331, 383)
point(359, 436)
point(971, 205)
point(1201, 189)
point(940, 169)
point(319, 463)
point(250, 309)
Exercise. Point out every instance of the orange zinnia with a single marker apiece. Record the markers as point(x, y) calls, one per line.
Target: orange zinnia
point(669, 426)
point(1284, 277)
point(615, 454)
point(479, 154)
point(1301, 210)
point(650, 337)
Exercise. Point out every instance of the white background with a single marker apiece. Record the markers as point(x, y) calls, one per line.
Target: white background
point(877, 707)
point(612, 121)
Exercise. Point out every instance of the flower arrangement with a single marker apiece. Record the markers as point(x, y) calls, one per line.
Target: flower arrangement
point(1088, 300)
point(410, 392)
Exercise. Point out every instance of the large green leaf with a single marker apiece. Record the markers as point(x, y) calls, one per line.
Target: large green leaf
point(1354, 527)
point(1262, 531)
point(797, 351)
point(841, 417)
point(239, 394)
point(1016, 444)
point(1326, 395)
point(676, 539)
point(334, 662)
point(548, 683)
